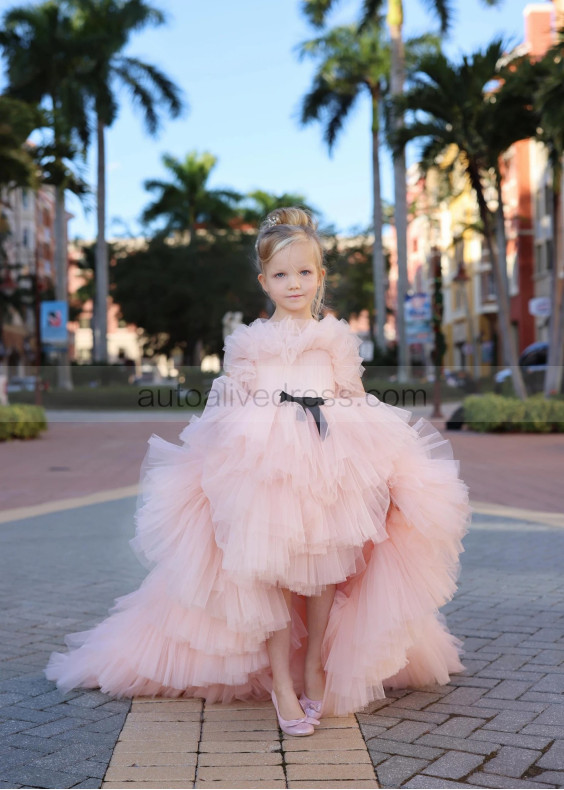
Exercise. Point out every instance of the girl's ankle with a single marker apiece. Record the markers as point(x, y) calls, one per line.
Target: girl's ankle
point(283, 690)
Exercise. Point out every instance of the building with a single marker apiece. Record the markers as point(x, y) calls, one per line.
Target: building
point(28, 248)
point(445, 219)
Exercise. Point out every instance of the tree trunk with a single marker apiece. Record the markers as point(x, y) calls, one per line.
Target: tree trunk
point(504, 321)
point(378, 263)
point(501, 240)
point(100, 335)
point(395, 24)
point(553, 377)
point(64, 378)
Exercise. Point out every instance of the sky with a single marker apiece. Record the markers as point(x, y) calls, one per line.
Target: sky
point(240, 75)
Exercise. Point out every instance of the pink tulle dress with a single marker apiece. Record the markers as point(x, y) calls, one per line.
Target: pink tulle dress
point(264, 493)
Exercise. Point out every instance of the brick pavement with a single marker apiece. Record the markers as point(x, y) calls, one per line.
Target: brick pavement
point(499, 724)
point(185, 743)
point(58, 573)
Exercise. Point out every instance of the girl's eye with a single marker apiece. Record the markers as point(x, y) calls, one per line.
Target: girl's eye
point(307, 271)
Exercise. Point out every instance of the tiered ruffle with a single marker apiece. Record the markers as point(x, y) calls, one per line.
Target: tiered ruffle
point(255, 501)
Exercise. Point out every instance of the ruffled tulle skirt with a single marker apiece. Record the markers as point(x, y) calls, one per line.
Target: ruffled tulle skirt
point(255, 500)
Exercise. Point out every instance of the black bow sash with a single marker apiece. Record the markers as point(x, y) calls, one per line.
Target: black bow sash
point(308, 402)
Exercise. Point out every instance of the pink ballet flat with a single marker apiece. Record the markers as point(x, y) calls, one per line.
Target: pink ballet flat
point(312, 707)
point(303, 726)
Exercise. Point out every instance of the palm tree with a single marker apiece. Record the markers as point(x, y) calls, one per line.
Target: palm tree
point(105, 27)
point(348, 66)
point(44, 60)
point(448, 109)
point(186, 199)
point(17, 164)
point(351, 64)
point(17, 169)
point(317, 12)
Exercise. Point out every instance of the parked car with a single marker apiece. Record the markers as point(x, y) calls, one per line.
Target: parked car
point(532, 361)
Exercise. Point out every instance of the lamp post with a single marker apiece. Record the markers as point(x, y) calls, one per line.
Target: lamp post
point(437, 320)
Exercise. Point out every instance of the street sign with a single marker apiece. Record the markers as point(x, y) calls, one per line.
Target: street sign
point(540, 306)
point(417, 311)
point(417, 307)
point(53, 323)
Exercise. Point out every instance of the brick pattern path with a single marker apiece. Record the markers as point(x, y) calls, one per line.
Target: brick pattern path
point(499, 724)
point(184, 743)
point(59, 573)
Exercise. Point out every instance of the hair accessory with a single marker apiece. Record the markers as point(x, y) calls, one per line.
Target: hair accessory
point(271, 221)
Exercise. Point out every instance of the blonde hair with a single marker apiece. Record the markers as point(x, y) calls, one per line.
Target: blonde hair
point(285, 226)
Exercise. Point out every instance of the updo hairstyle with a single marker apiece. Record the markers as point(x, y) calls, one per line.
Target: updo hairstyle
point(285, 226)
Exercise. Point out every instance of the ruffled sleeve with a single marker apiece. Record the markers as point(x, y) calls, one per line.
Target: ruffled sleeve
point(239, 361)
point(347, 361)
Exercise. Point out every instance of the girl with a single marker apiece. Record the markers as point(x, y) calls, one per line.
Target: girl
point(303, 536)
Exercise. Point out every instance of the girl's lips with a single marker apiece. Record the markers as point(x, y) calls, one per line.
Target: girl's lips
point(297, 296)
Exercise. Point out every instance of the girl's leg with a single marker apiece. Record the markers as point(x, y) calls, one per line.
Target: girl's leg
point(318, 608)
point(278, 646)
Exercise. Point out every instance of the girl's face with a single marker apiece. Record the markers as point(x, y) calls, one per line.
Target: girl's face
point(291, 280)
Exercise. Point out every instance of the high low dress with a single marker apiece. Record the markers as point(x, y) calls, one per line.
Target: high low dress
point(264, 493)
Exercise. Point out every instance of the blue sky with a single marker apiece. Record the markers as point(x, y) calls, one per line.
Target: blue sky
point(236, 64)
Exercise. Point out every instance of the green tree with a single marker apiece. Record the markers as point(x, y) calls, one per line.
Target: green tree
point(44, 62)
point(351, 64)
point(17, 164)
point(105, 28)
point(179, 293)
point(185, 199)
point(449, 107)
point(317, 12)
point(17, 169)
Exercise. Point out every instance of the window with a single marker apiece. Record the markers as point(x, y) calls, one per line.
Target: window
point(540, 252)
point(549, 254)
point(538, 205)
point(548, 199)
point(487, 285)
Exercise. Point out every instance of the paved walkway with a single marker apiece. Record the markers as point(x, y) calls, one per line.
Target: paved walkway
point(498, 724)
point(168, 743)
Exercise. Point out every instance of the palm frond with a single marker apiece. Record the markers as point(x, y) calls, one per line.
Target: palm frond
point(443, 10)
point(317, 11)
point(371, 11)
point(149, 87)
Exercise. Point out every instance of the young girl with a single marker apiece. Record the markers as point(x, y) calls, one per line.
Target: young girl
point(302, 538)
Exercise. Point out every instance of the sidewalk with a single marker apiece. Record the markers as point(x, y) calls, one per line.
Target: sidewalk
point(498, 724)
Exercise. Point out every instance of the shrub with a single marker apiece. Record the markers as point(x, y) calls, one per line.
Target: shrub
point(21, 421)
point(497, 413)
